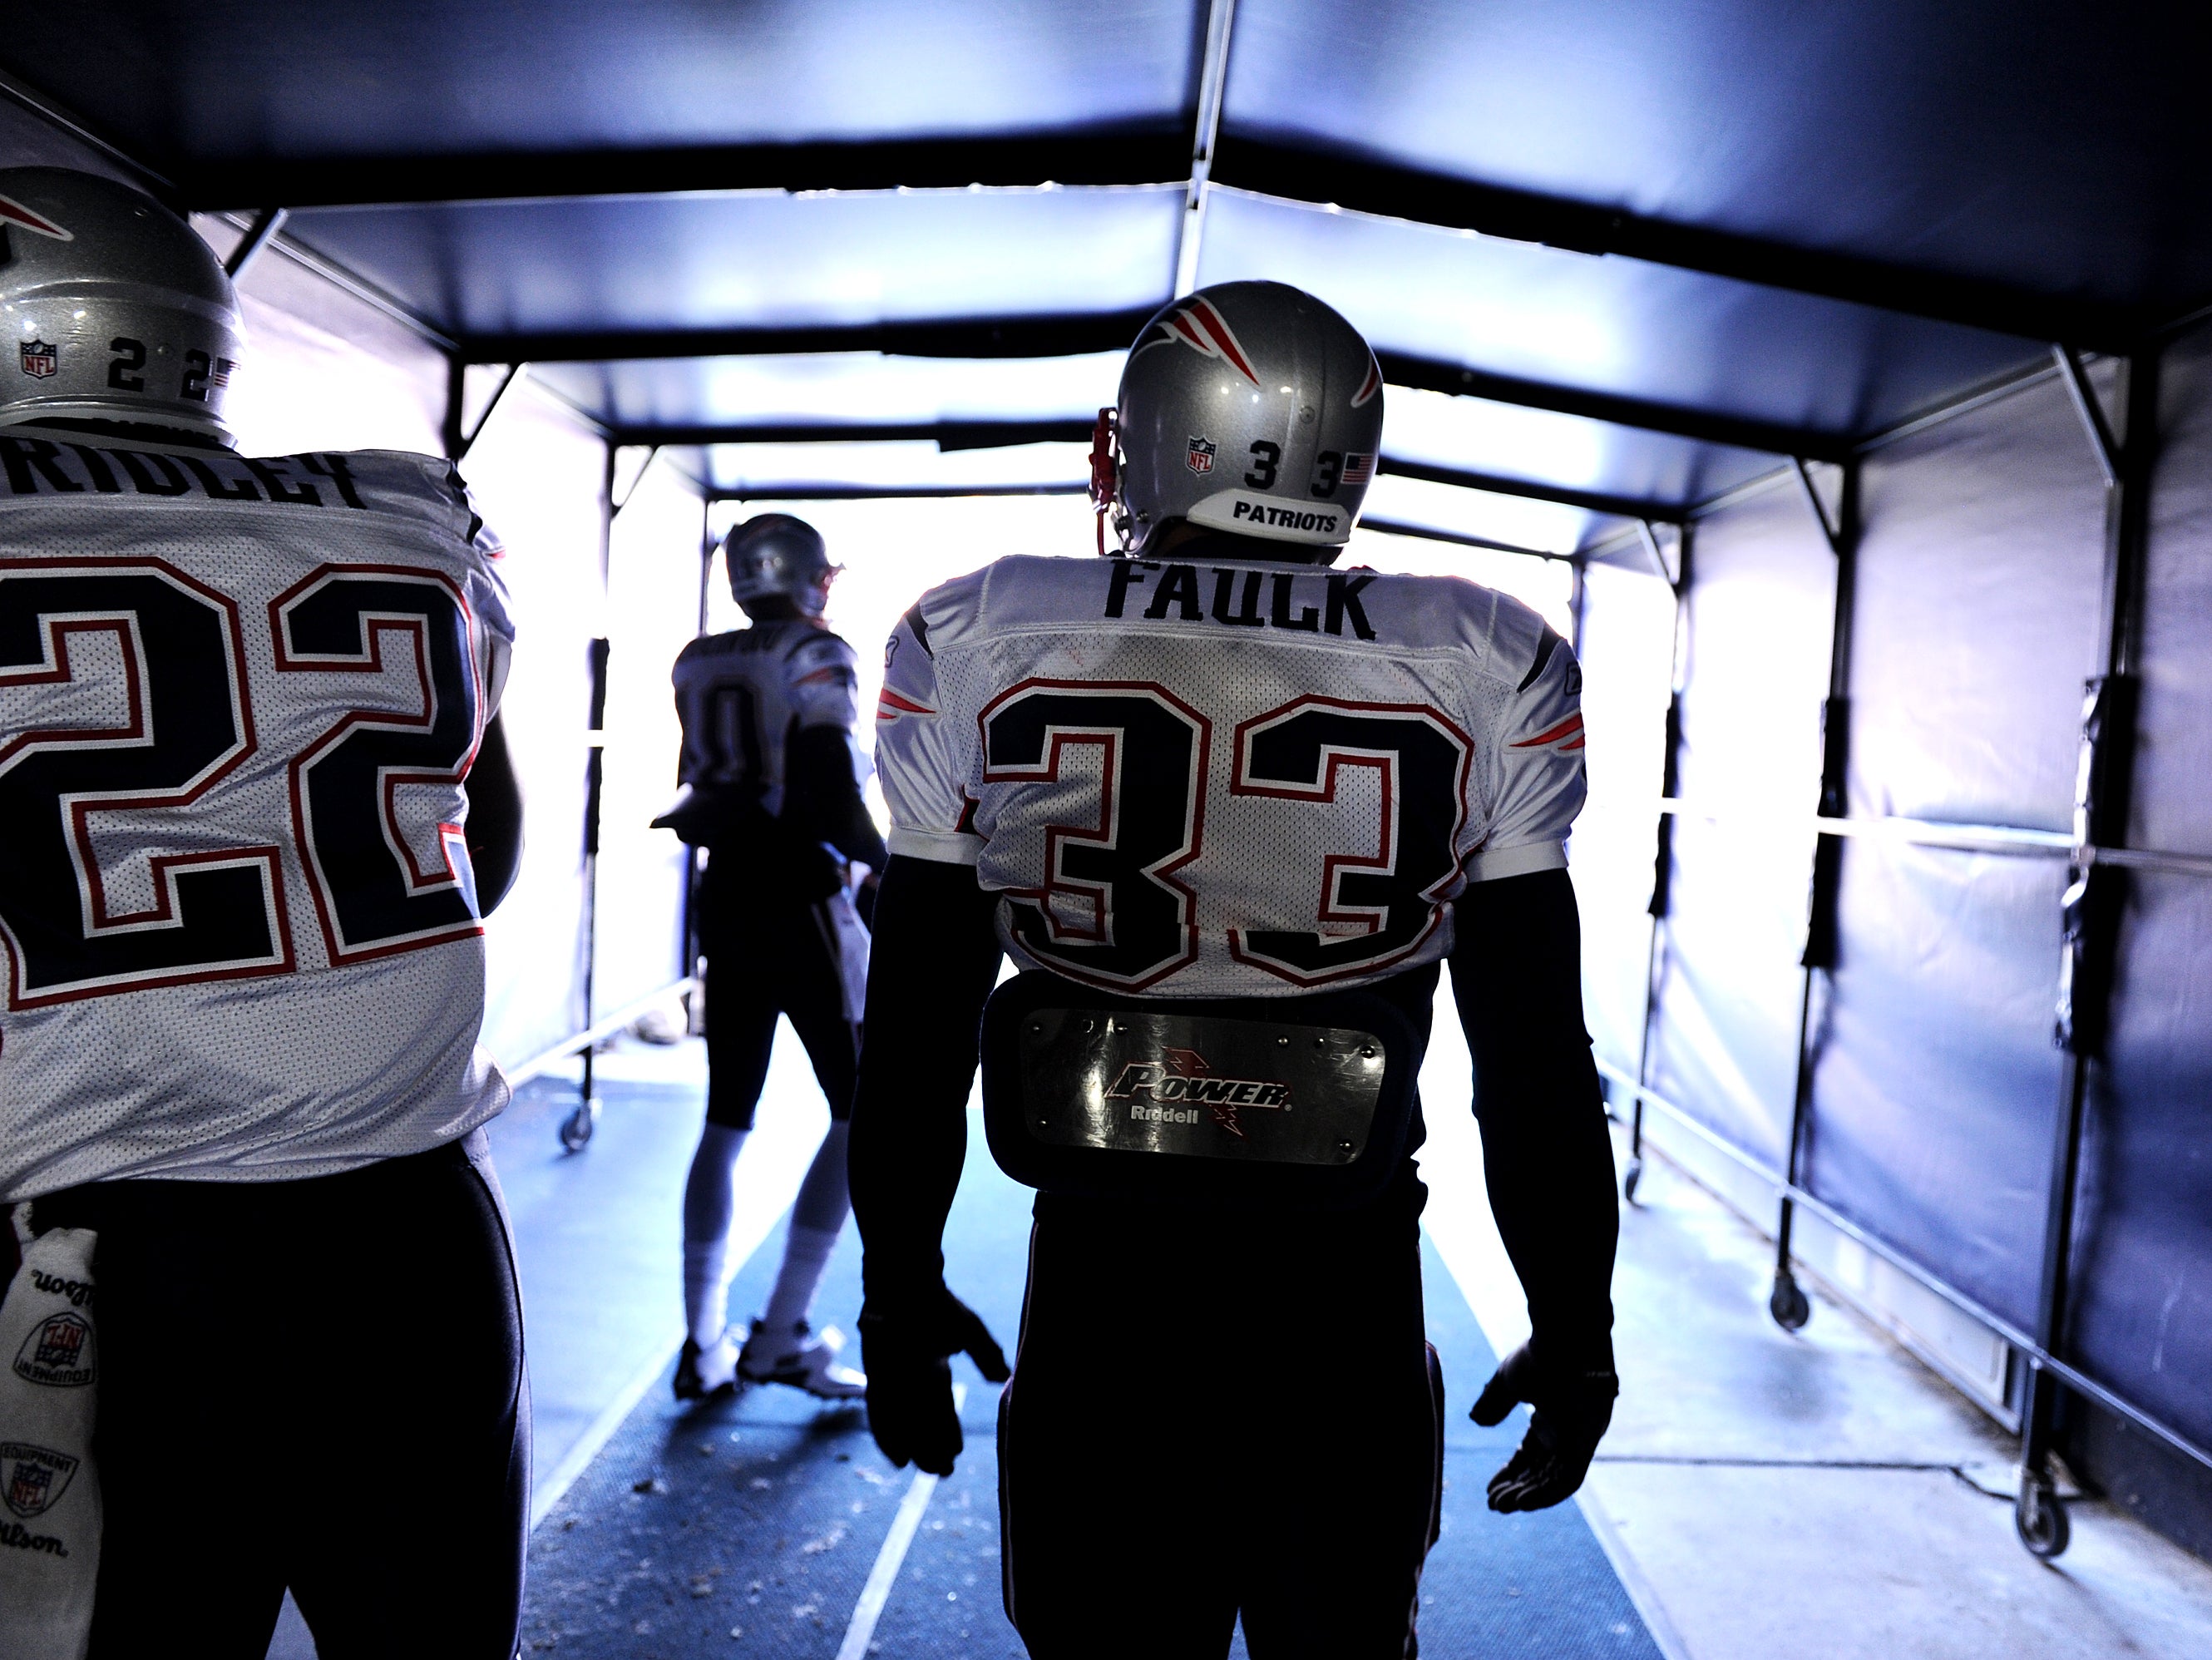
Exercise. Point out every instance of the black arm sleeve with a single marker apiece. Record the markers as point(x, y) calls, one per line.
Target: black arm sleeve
point(1516, 977)
point(822, 799)
point(495, 831)
point(930, 970)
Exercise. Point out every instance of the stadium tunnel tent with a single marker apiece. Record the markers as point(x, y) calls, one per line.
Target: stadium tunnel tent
point(1844, 370)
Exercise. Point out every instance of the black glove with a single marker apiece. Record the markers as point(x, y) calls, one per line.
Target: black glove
point(907, 1349)
point(1571, 1411)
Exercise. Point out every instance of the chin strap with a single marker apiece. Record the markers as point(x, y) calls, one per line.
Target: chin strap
point(1104, 477)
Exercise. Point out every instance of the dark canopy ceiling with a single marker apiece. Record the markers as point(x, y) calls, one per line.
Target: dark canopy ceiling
point(1622, 254)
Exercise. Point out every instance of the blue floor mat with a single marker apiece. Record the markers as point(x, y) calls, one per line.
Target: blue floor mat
point(749, 1526)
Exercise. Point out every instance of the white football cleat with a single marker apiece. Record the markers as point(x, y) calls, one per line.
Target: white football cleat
point(802, 1359)
point(702, 1373)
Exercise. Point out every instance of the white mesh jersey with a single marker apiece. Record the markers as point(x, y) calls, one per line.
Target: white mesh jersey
point(1227, 779)
point(742, 694)
point(237, 701)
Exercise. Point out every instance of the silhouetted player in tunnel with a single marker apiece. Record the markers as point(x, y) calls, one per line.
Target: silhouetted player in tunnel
point(1230, 812)
point(772, 791)
point(254, 801)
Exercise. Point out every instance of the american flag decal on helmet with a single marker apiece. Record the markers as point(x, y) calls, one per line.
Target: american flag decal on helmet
point(1359, 469)
point(1205, 332)
point(1370, 385)
point(13, 212)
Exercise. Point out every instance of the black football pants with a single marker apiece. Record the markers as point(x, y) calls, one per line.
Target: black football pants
point(316, 1384)
point(768, 956)
point(1213, 1415)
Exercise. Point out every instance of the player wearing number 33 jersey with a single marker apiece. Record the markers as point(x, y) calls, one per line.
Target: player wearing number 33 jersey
point(1130, 755)
point(1231, 810)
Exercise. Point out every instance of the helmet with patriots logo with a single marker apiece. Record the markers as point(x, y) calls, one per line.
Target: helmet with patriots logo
point(115, 309)
point(1246, 407)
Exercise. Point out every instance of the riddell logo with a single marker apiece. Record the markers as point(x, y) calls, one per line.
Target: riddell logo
point(1179, 1082)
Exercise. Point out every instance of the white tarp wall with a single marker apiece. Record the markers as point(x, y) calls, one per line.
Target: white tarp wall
point(653, 611)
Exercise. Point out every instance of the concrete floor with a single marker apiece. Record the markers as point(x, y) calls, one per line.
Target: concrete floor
point(1822, 1495)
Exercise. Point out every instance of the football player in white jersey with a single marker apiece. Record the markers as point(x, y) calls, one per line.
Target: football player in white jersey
point(1230, 812)
point(253, 806)
point(771, 779)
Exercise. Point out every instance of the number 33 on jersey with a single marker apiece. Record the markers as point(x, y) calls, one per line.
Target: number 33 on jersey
point(1240, 779)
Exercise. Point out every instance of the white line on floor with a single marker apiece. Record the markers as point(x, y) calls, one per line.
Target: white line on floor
point(878, 1592)
point(563, 1475)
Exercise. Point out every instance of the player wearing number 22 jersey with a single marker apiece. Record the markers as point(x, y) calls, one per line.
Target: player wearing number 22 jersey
point(254, 804)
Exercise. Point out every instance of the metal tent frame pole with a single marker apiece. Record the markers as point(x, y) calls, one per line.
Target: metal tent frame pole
point(1677, 578)
point(2095, 894)
point(576, 1130)
point(1787, 1301)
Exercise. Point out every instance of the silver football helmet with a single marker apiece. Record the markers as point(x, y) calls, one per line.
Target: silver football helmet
point(114, 307)
point(774, 555)
point(1246, 407)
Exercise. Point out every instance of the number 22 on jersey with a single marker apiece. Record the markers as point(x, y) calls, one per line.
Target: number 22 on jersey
point(157, 714)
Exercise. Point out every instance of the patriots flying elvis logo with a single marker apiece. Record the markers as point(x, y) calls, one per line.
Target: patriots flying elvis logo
point(13, 212)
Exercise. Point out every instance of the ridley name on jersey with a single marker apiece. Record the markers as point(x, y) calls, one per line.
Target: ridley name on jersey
point(1132, 755)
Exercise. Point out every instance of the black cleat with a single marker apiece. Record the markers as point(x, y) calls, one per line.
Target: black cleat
point(702, 1374)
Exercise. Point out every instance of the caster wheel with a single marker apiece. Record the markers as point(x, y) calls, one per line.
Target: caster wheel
point(1788, 1304)
point(1630, 1179)
point(576, 1128)
point(2040, 1518)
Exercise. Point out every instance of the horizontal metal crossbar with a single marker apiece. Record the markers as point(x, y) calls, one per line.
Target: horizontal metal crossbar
point(802, 492)
point(945, 435)
point(1073, 335)
point(1963, 838)
point(1124, 155)
point(1623, 507)
point(605, 1026)
point(1457, 538)
point(991, 434)
point(1430, 374)
point(1897, 1259)
point(1082, 334)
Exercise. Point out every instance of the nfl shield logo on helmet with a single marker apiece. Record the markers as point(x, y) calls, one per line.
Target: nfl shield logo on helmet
point(1201, 455)
point(36, 1477)
point(41, 359)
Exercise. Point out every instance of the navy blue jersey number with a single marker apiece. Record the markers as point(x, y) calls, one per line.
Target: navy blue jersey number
point(1382, 900)
point(1110, 912)
point(148, 710)
point(377, 890)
